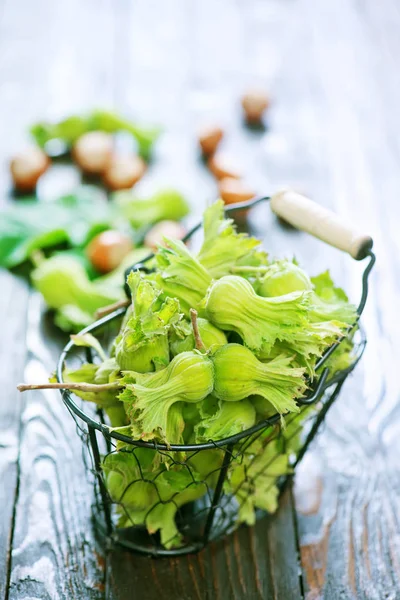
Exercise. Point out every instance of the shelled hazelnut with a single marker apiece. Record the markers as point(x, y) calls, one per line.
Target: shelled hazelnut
point(210, 137)
point(255, 103)
point(170, 229)
point(93, 152)
point(222, 166)
point(123, 172)
point(26, 168)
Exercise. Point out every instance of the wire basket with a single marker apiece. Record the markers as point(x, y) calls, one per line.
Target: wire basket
point(209, 500)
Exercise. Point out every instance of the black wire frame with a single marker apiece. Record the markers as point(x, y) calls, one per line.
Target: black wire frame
point(315, 393)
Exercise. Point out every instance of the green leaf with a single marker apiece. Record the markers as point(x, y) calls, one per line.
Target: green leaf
point(70, 129)
point(165, 205)
point(88, 340)
point(30, 225)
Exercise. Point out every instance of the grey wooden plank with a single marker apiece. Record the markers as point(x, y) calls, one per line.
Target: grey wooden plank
point(251, 563)
point(347, 491)
point(57, 59)
point(13, 303)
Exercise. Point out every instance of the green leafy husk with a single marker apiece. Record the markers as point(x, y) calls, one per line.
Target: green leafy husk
point(223, 247)
point(277, 381)
point(142, 344)
point(188, 378)
point(182, 337)
point(180, 275)
point(231, 304)
point(167, 204)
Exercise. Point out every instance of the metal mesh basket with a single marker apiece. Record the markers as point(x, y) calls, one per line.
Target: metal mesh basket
point(208, 502)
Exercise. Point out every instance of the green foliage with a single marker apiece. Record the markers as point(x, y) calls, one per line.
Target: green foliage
point(223, 247)
point(167, 204)
point(30, 225)
point(231, 304)
point(276, 380)
point(182, 338)
point(70, 129)
point(143, 343)
point(66, 287)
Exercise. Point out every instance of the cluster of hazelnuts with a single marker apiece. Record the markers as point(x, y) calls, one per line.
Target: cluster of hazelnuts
point(230, 186)
point(93, 153)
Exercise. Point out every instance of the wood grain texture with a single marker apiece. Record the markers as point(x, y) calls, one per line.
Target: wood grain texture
point(252, 563)
point(47, 58)
point(13, 301)
point(349, 533)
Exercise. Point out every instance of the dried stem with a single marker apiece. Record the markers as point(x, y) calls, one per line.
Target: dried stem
point(197, 337)
point(82, 387)
point(106, 310)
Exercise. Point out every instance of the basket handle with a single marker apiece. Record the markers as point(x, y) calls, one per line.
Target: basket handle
point(304, 214)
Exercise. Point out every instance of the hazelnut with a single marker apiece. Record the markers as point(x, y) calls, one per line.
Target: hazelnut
point(233, 191)
point(123, 172)
point(255, 103)
point(209, 139)
point(170, 229)
point(26, 168)
point(93, 152)
point(107, 250)
point(221, 166)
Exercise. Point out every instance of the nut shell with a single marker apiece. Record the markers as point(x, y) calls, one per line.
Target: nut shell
point(26, 168)
point(123, 172)
point(209, 139)
point(254, 104)
point(222, 166)
point(93, 152)
point(107, 250)
point(171, 229)
point(233, 191)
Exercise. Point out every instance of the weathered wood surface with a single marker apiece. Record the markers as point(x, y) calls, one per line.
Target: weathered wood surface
point(334, 130)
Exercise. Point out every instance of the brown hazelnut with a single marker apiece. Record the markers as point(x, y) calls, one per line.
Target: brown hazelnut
point(170, 229)
point(93, 152)
point(255, 103)
point(26, 168)
point(107, 250)
point(209, 139)
point(233, 191)
point(123, 172)
point(222, 166)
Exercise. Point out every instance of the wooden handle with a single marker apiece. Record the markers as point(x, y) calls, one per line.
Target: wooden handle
point(304, 214)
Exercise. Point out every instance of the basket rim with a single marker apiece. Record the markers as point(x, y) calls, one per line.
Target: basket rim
point(315, 392)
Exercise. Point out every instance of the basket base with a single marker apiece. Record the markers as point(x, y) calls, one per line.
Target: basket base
point(190, 522)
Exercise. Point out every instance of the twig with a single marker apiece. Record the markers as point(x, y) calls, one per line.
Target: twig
point(106, 310)
point(82, 387)
point(197, 337)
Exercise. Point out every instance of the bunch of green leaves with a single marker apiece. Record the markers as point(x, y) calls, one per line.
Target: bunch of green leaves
point(68, 130)
point(73, 220)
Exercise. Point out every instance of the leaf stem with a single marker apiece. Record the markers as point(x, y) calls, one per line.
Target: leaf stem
point(197, 337)
point(106, 310)
point(82, 386)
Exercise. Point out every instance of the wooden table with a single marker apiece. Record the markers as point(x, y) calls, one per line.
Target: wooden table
point(333, 132)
